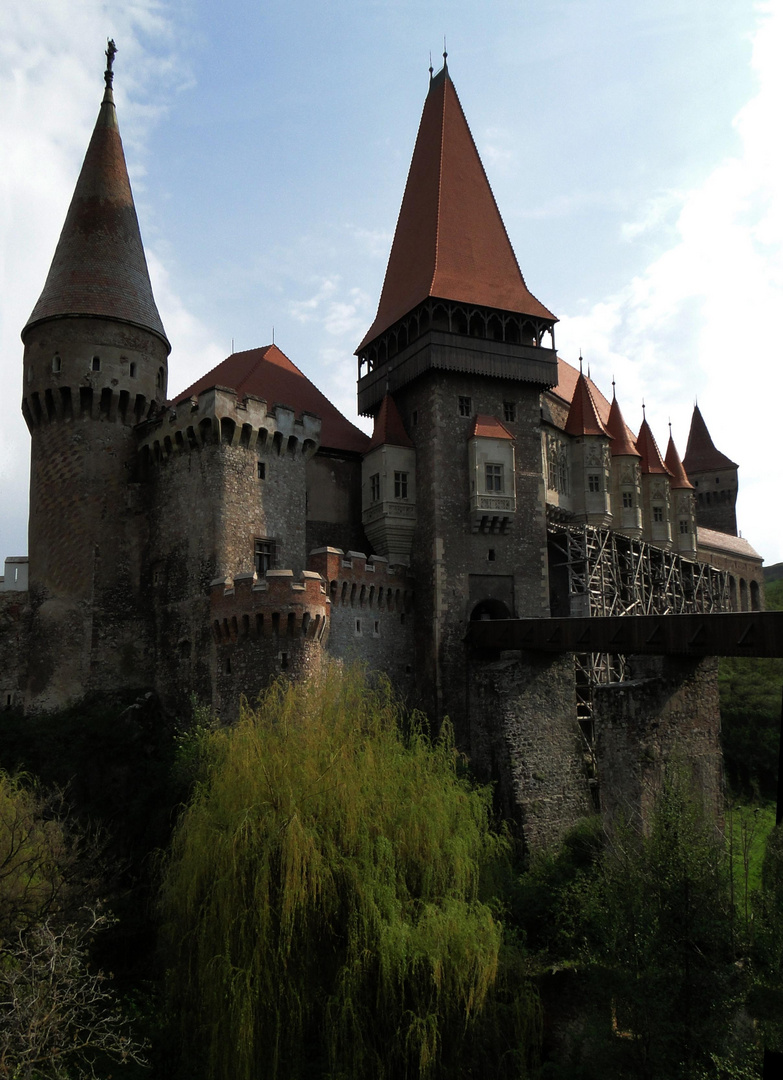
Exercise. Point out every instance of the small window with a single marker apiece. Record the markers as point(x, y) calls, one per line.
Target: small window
point(509, 411)
point(717, 479)
point(262, 470)
point(627, 500)
point(465, 406)
point(375, 487)
point(283, 661)
point(684, 527)
point(96, 363)
point(593, 482)
point(400, 485)
point(415, 417)
point(57, 364)
point(491, 555)
point(132, 369)
point(494, 477)
point(357, 627)
point(159, 379)
point(377, 628)
point(657, 513)
point(264, 555)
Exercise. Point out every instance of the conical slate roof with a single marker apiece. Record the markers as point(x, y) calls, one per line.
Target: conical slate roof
point(389, 429)
point(450, 240)
point(99, 268)
point(675, 467)
point(583, 418)
point(622, 442)
point(651, 462)
point(700, 453)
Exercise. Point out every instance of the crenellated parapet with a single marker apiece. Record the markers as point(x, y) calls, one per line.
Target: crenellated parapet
point(220, 416)
point(360, 581)
point(276, 605)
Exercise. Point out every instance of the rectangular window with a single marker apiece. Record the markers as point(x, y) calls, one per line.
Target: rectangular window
point(627, 500)
point(494, 477)
point(264, 555)
point(593, 482)
point(657, 513)
point(375, 487)
point(509, 411)
point(400, 485)
point(465, 406)
point(415, 417)
point(262, 470)
point(684, 527)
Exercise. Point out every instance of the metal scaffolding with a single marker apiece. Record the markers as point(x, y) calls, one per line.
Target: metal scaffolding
point(612, 574)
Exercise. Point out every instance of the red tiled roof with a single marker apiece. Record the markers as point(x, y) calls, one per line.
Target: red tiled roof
point(267, 373)
point(622, 439)
point(389, 429)
point(719, 541)
point(675, 467)
point(651, 462)
point(583, 418)
point(99, 267)
point(489, 427)
point(700, 453)
point(450, 240)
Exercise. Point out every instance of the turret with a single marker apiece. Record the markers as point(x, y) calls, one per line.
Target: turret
point(389, 486)
point(626, 475)
point(656, 492)
point(95, 363)
point(683, 503)
point(714, 478)
point(590, 458)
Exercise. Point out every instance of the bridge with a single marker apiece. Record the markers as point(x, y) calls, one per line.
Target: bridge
point(751, 633)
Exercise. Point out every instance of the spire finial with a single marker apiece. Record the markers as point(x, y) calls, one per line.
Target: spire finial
point(644, 414)
point(580, 361)
point(111, 52)
point(445, 54)
point(670, 427)
point(431, 67)
point(614, 395)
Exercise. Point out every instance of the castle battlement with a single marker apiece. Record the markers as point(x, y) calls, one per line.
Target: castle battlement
point(85, 402)
point(276, 605)
point(358, 580)
point(220, 415)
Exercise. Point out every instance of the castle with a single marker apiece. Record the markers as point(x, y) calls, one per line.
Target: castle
point(204, 544)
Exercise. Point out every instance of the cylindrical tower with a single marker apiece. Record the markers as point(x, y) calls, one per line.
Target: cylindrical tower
point(95, 364)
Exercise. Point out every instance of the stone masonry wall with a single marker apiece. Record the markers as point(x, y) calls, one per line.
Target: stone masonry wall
point(524, 737)
point(14, 647)
point(670, 712)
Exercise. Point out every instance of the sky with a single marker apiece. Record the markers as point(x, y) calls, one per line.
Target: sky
point(634, 151)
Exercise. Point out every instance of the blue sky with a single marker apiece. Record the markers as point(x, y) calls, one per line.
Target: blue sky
point(633, 150)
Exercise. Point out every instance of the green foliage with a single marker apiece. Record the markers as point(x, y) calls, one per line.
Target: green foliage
point(766, 1002)
point(324, 901)
point(751, 690)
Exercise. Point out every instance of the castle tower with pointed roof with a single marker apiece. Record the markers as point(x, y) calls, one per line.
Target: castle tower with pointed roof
point(714, 478)
point(458, 336)
point(95, 363)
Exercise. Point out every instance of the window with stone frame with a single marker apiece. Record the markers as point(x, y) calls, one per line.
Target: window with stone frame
point(465, 406)
point(264, 554)
point(684, 526)
point(593, 481)
point(509, 411)
point(657, 513)
point(493, 476)
point(557, 465)
point(400, 485)
point(375, 487)
point(627, 500)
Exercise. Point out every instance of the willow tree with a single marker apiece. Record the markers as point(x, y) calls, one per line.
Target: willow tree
point(323, 904)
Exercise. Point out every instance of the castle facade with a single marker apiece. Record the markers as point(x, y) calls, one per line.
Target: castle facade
point(205, 543)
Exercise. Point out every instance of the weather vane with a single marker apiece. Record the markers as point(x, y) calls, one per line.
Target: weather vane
point(111, 52)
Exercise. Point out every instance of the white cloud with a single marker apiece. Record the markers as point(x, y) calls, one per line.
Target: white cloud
point(703, 318)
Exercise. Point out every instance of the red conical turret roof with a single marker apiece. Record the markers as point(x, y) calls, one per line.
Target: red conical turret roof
point(389, 429)
point(622, 441)
point(675, 467)
point(583, 418)
point(268, 374)
point(651, 462)
point(450, 240)
point(99, 268)
point(700, 453)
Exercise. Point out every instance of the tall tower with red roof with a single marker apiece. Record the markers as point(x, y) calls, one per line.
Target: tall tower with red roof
point(714, 478)
point(95, 363)
point(464, 349)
